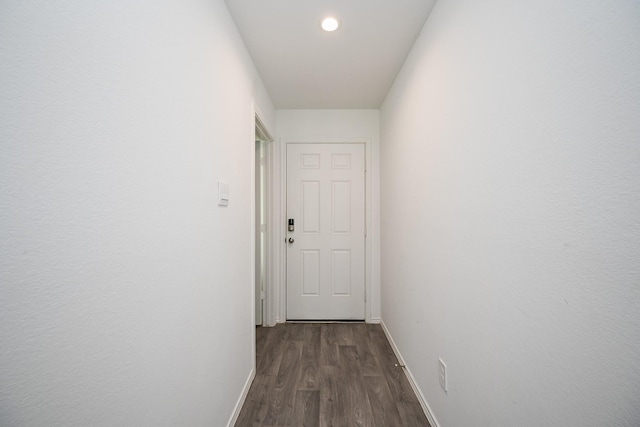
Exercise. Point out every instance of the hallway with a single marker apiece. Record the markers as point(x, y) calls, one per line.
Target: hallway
point(329, 374)
point(502, 191)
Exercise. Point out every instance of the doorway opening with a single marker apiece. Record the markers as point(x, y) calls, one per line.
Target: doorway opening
point(262, 175)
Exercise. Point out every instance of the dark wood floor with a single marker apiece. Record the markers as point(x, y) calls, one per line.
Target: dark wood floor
point(330, 374)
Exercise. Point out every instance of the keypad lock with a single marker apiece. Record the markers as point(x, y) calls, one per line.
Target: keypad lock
point(291, 226)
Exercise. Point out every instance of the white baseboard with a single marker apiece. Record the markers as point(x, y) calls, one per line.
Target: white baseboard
point(375, 320)
point(423, 402)
point(243, 396)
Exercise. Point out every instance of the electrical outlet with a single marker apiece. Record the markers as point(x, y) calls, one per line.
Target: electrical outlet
point(442, 374)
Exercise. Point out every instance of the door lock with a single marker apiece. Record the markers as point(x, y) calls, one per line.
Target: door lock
point(291, 240)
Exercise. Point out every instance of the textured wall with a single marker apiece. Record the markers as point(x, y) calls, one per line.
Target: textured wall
point(511, 212)
point(125, 294)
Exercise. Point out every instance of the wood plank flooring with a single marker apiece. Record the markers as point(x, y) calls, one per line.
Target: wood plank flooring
point(328, 374)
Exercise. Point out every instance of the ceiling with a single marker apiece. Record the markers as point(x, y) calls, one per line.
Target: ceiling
point(304, 67)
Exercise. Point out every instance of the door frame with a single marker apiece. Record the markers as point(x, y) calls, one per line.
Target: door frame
point(276, 296)
point(262, 131)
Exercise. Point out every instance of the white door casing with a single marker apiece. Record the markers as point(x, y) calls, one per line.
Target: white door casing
point(326, 256)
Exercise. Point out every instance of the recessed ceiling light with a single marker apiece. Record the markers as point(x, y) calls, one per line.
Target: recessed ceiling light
point(330, 23)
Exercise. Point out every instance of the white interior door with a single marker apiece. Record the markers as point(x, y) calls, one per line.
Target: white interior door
point(326, 250)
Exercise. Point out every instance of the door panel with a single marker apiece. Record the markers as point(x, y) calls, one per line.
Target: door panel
point(325, 261)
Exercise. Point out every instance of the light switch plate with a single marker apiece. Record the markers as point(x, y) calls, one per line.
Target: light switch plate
point(223, 193)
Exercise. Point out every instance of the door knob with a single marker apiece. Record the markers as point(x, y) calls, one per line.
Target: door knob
point(291, 240)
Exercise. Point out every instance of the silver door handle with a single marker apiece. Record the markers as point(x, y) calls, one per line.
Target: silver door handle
point(291, 240)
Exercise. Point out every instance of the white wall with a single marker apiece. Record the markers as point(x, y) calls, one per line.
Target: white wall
point(341, 125)
point(511, 212)
point(126, 291)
